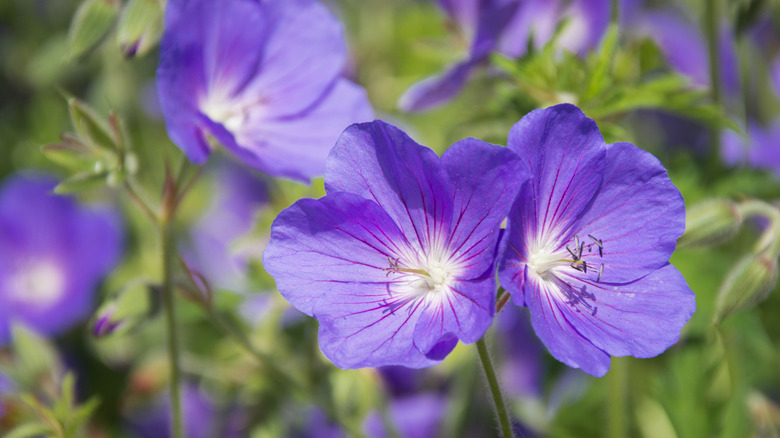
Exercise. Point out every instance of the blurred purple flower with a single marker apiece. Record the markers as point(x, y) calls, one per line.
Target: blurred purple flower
point(203, 419)
point(685, 48)
point(53, 253)
point(415, 416)
point(215, 246)
point(521, 369)
point(396, 261)
point(6, 387)
point(262, 77)
point(506, 27)
point(761, 148)
point(588, 243)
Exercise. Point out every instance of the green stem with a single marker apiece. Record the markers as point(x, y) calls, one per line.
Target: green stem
point(618, 398)
point(168, 255)
point(712, 16)
point(495, 390)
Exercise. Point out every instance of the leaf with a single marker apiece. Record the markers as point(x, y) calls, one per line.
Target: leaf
point(599, 79)
point(82, 182)
point(29, 430)
point(34, 356)
point(90, 23)
point(92, 128)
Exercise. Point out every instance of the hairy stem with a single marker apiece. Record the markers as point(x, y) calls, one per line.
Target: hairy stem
point(495, 390)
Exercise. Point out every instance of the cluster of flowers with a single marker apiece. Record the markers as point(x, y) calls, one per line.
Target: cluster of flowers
point(398, 260)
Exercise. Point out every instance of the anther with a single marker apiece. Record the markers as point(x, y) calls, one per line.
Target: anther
point(601, 271)
point(599, 243)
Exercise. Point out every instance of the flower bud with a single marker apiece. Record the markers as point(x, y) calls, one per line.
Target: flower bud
point(711, 223)
point(105, 323)
point(140, 27)
point(748, 283)
point(92, 20)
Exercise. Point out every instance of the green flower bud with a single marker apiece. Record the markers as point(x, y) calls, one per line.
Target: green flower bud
point(711, 223)
point(140, 27)
point(92, 20)
point(748, 283)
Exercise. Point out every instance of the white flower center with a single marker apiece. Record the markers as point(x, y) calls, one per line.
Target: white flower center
point(224, 111)
point(37, 282)
point(430, 276)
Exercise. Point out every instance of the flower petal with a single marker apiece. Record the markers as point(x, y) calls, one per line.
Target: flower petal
point(364, 319)
point(638, 215)
point(380, 162)
point(565, 153)
point(297, 147)
point(487, 179)
point(464, 313)
point(301, 56)
point(438, 89)
point(551, 318)
point(642, 318)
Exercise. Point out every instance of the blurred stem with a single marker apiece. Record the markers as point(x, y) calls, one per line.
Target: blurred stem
point(618, 398)
point(615, 12)
point(495, 390)
point(712, 12)
point(168, 255)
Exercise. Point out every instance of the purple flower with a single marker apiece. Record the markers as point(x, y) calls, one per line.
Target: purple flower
point(200, 412)
point(761, 148)
point(506, 26)
point(216, 249)
point(261, 77)
point(588, 243)
point(396, 261)
point(685, 47)
point(416, 416)
point(53, 253)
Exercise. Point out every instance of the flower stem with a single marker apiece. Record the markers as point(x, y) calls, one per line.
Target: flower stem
point(495, 390)
point(168, 255)
point(712, 14)
point(618, 398)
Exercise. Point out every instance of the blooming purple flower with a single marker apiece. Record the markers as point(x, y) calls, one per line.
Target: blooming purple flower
point(588, 243)
point(506, 26)
point(396, 261)
point(261, 77)
point(53, 252)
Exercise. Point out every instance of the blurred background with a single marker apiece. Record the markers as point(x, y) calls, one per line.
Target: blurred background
point(696, 82)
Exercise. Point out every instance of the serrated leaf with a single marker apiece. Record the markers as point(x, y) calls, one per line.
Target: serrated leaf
point(140, 27)
point(92, 20)
point(82, 182)
point(29, 430)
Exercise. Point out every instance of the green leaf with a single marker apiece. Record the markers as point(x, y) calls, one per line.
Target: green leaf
point(29, 430)
point(140, 27)
point(34, 356)
point(70, 153)
point(91, 22)
point(599, 80)
point(82, 182)
point(92, 128)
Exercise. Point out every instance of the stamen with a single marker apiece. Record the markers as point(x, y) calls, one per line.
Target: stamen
point(572, 253)
point(601, 271)
point(395, 268)
point(599, 243)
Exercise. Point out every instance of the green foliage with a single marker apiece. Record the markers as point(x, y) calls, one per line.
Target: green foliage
point(91, 22)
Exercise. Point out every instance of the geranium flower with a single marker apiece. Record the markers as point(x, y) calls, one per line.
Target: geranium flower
point(53, 253)
point(262, 77)
point(588, 243)
point(397, 260)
